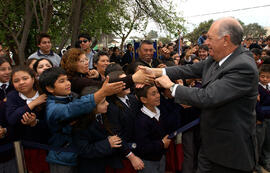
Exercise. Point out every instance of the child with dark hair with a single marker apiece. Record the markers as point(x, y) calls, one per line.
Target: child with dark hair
point(5, 71)
point(121, 114)
point(63, 109)
point(263, 116)
point(256, 52)
point(150, 134)
point(7, 160)
point(30, 62)
point(41, 65)
point(25, 112)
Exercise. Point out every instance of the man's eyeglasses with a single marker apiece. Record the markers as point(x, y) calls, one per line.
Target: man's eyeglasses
point(85, 41)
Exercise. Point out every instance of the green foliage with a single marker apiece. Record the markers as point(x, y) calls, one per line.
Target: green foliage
point(152, 35)
point(195, 34)
point(119, 17)
point(254, 30)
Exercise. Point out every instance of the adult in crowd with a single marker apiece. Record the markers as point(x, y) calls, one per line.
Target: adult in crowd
point(227, 99)
point(101, 61)
point(76, 64)
point(203, 52)
point(128, 56)
point(116, 57)
point(44, 50)
point(202, 38)
point(85, 43)
point(146, 52)
point(170, 47)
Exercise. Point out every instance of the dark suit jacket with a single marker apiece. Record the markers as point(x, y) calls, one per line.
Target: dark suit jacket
point(95, 152)
point(122, 117)
point(227, 99)
point(148, 136)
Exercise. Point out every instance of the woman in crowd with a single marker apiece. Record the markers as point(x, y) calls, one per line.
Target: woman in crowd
point(101, 61)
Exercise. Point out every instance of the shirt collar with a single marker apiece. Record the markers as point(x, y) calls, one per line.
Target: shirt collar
point(7, 83)
point(264, 86)
point(123, 99)
point(151, 114)
point(29, 100)
point(40, 53)
point(223, 60)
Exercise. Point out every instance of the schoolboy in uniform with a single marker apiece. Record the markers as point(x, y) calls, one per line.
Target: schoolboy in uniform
point(150, 131)
point(263, 117)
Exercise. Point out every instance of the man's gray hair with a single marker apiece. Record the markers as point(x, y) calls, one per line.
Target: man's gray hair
point(234, 29)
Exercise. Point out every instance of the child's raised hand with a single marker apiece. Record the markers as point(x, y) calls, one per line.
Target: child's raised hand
point(166, 141)
point(112, 88)
point(29, 119)
point(115, 141)
point(41, 99)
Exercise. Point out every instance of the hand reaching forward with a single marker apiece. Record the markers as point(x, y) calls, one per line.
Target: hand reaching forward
point(164, 82)
point(142, 77)
point(112, 88)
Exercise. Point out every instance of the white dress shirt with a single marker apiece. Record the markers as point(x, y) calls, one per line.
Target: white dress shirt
point(151, 114)
point(29, 100)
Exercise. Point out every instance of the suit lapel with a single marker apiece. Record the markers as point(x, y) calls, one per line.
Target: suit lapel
point(209, 77)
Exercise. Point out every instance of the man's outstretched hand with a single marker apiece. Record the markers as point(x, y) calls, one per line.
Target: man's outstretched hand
point(164, 82)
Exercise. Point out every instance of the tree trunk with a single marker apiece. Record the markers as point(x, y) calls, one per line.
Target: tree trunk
point(48, 12)
point(76, 18)
point(28, 16)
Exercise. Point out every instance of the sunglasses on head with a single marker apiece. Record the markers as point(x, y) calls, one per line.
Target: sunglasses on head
point(85, 41)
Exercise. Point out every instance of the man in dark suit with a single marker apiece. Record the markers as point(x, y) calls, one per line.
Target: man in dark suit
point(227, 99)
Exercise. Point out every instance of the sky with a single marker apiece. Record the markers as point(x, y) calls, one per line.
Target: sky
point(253, 11)
point(197, 11)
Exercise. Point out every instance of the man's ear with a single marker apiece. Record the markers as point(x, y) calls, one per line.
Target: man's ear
point(49, 89)
point(143, 100)
point(227, 39)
